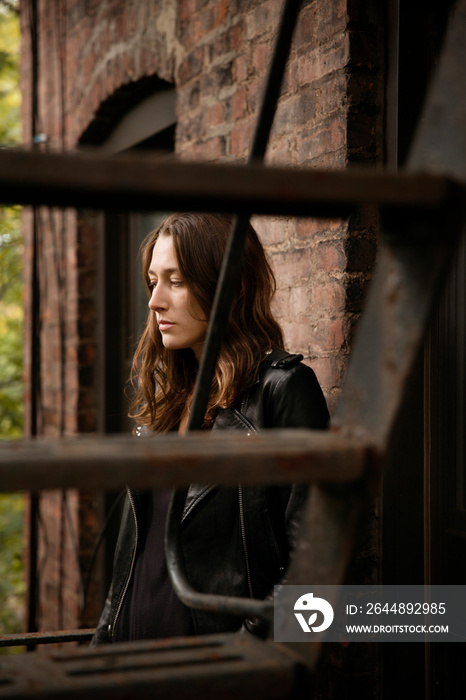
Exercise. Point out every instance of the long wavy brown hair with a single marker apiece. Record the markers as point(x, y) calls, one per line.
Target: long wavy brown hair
point(162, 379)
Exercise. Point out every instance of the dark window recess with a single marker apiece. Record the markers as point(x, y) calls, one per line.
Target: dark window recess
point(123, 299)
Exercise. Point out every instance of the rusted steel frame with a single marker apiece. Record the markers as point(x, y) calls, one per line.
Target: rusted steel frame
point(390, 336)
point(214, 666)
point(146, 182)
point(409, 277)
point(283, 456)
point(33, 638)
point(323, 551)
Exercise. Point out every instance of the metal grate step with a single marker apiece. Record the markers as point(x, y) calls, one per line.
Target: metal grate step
point(211, 667)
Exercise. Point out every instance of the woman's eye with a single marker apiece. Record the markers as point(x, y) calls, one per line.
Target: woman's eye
point(176, 283)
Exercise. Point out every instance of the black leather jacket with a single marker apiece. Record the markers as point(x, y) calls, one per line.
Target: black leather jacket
point(235, 541)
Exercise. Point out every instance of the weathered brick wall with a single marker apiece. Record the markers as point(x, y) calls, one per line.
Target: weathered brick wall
point(327, 116)
point(215, 53)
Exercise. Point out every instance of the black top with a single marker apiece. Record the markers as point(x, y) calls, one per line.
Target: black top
point(151, 609)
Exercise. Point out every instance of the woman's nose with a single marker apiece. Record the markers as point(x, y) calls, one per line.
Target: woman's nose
point(157, 300)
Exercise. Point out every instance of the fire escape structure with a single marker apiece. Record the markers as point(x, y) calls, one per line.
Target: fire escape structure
point(422, 218)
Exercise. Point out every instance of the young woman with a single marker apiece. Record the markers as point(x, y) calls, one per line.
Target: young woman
point(235, 541)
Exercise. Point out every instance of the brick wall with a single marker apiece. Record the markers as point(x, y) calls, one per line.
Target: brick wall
point(215, 53)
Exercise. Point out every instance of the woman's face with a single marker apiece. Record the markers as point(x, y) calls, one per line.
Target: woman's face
point(180, 318)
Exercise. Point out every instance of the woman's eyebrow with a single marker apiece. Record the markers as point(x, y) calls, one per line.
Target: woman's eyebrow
point(167, 271)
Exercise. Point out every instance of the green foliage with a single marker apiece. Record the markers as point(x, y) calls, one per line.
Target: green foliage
point(12, 584)
point(11, 323)
point(11, 313)
point(11, 332)
point(10, 96)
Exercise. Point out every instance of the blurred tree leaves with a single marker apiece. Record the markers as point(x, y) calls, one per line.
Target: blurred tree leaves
point(11, 563)
point(11, 246)
point(11, 323)
point(11, 331)
point(10, 96)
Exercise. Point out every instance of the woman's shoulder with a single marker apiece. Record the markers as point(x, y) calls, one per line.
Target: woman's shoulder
point(280, 359)
point(280, 367)
point(290, 392)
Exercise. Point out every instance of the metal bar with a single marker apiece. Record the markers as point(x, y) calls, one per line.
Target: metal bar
point(243, 607)
point(110, 462)
point(33, 638)
point(147, 182)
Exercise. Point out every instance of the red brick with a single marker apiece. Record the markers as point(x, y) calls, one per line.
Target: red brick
point(306, 25)
point(272, 231)
point(261, 56)
point(209, 150)
point(329, 335)
point(299, 300)
point(191, 66)
point(329, 297)
point(324, 138)
point(281, 304)
point(226, 41)
point(255, 92)
point(215, 115)
point(239, 104)
point(280, 152)
point(310, 227)
point(187, 98)
point(219, 12)
point(330, 372)
point(325, 60)
point(297, 336)
point(262, 19)
point(331, 256)
point(187, 8)
point(241, 138)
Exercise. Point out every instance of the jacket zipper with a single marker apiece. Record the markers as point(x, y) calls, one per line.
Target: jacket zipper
point(243, 537)
point(250, 427)
point(281, 568)
point(120, 602)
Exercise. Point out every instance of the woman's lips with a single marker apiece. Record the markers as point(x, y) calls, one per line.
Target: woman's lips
point(165, 325)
